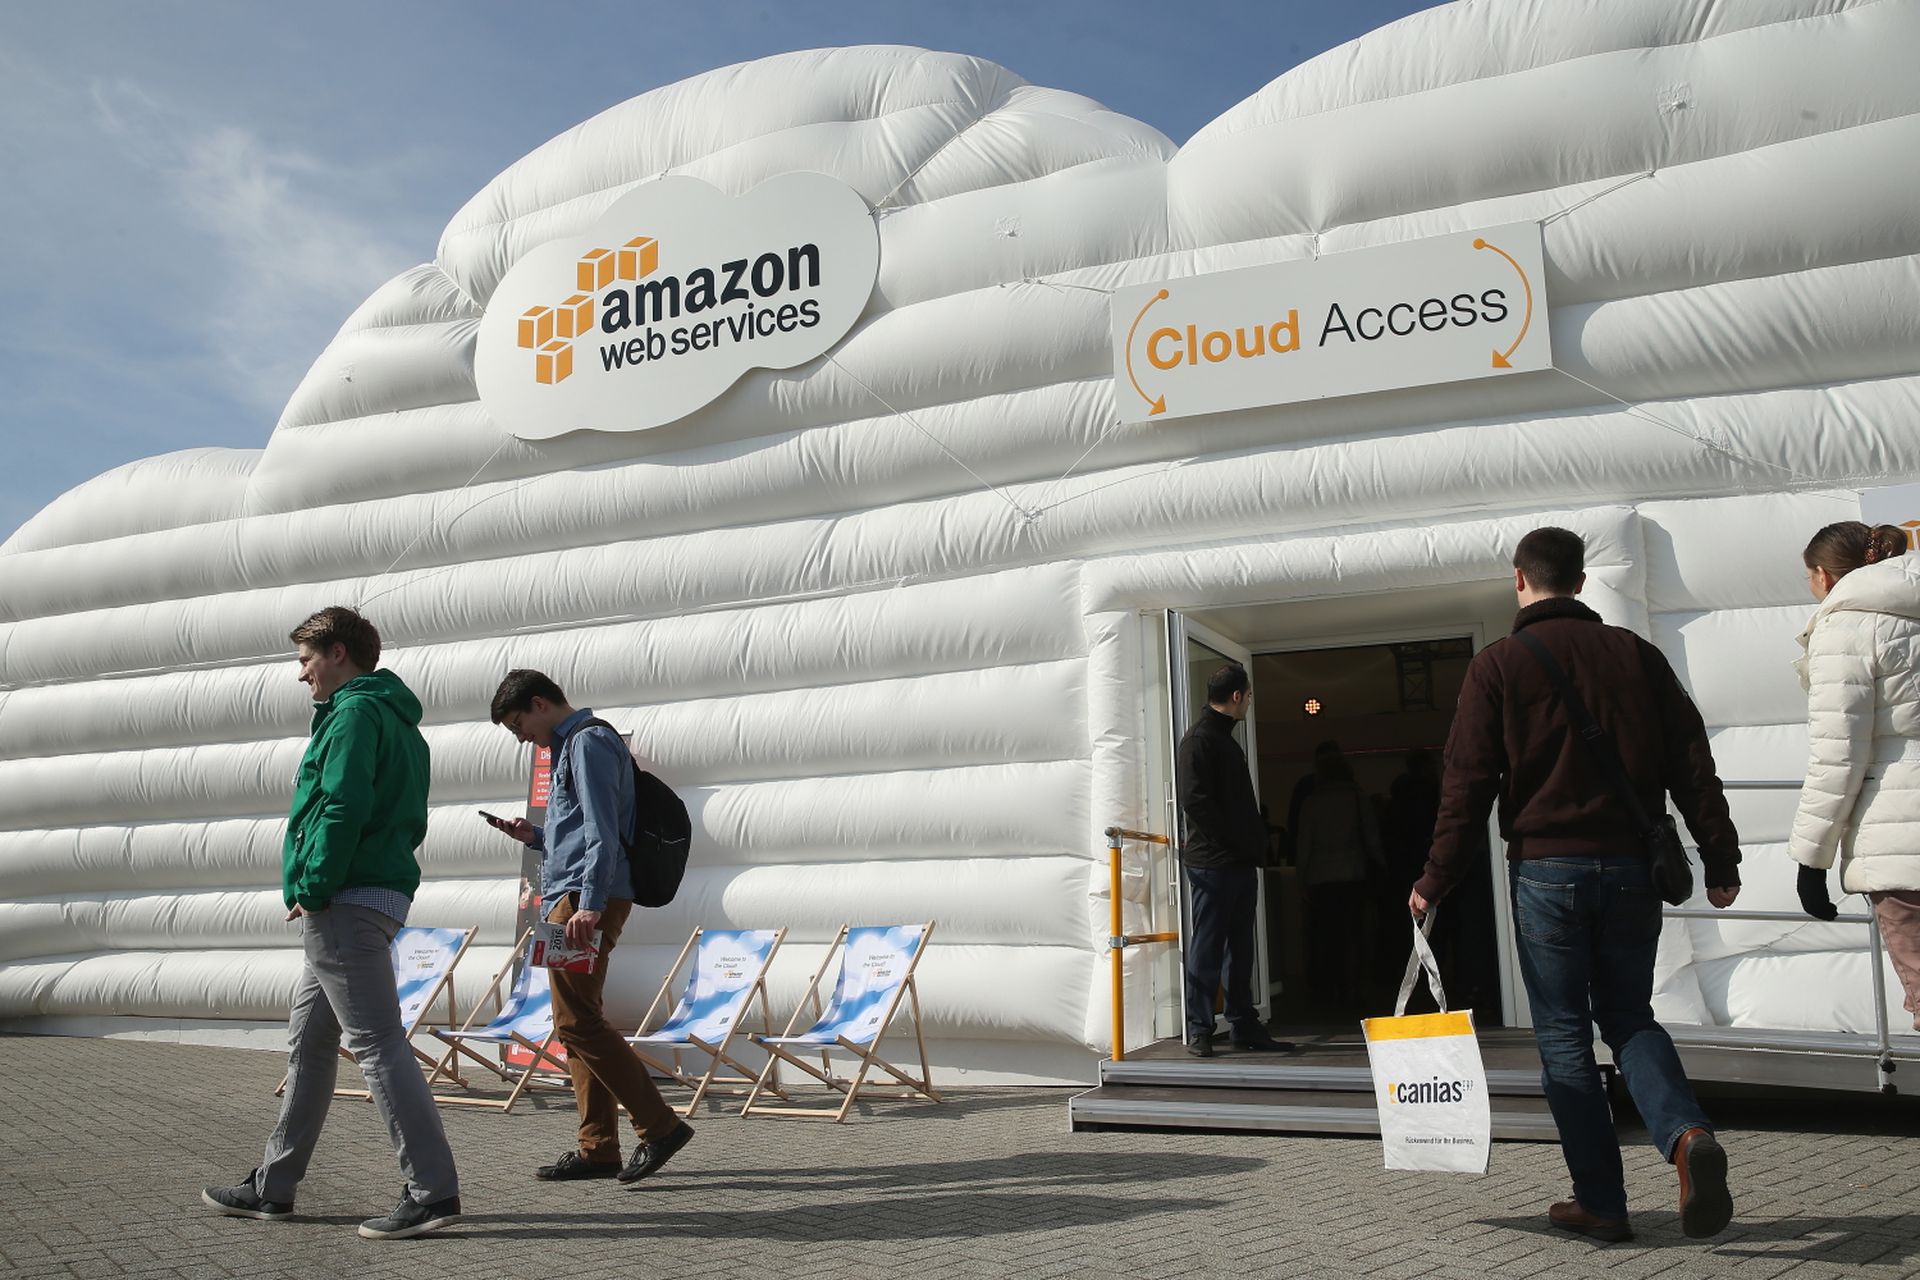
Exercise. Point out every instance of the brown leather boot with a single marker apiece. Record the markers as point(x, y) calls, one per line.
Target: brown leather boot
point(1706, 1206)
point(1568, 1215)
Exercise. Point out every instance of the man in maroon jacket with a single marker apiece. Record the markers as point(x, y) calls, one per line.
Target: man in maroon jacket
point(1587, 915)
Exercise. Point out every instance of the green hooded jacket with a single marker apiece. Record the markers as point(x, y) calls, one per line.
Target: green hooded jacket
point(360, 799)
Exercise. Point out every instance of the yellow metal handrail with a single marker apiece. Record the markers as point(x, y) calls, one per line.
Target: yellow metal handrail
point(1118, 942)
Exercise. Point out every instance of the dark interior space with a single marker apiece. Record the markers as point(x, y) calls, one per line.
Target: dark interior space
point(1350, 747)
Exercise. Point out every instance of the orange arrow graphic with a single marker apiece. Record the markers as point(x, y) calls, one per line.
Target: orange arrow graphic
point(1154, 405)
point(1500, 357)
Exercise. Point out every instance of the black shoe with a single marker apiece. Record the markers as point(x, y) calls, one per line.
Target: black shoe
point(1261, 1042)
point(650, 1155)
point(1201, 1048)
point(244, 1201)
point(573, 1166)
point(411, 1218)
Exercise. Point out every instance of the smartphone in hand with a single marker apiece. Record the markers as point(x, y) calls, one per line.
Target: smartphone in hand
point(494, 820)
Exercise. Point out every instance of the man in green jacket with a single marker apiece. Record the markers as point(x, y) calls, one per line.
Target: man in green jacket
point(348, 875)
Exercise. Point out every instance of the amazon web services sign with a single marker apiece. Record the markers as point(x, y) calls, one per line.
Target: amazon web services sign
point(1465, 305)
point(668, 298)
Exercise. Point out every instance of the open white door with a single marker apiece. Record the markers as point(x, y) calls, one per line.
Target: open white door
point(1193, 654)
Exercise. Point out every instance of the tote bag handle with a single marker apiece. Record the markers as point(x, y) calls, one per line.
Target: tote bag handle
point(1421, 959)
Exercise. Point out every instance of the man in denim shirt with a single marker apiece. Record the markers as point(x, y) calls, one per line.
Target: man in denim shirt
point(586, 885)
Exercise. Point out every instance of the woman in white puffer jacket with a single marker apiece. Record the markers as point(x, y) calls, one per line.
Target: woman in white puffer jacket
point(1861, 802)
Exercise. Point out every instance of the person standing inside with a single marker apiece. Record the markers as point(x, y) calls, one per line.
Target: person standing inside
point(1861, 671)
point(1413, 805)
point(1337, 848)
point(348, 875)
point(1226, 846)
point(587, 886)
point(1587, 916)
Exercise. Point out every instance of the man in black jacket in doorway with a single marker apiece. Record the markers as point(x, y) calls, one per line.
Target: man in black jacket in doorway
point(1225, 847)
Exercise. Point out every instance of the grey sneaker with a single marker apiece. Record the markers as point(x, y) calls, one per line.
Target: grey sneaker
point(411, 1218)
point(244, 1201)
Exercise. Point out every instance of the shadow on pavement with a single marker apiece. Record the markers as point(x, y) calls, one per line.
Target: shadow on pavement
point(1845, 1240)
point(1036, 1170)
point(1864, 1115)
point(893, 1217)
point(1040, 1192)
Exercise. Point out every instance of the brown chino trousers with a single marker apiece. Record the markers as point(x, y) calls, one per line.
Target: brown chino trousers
point(607, 1074)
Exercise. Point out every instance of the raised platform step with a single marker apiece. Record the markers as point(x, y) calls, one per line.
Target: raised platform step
point(1325, 1086)
point(1279, 1071)
point(1265, 1110)
point(1776, 1059)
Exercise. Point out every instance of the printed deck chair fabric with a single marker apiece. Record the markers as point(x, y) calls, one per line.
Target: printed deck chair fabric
point(423, 965)
point(525, 1021)
point(877, 965)
point(729, 969)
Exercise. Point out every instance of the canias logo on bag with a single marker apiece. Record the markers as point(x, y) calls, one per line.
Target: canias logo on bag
point(1418, 1092)
point(672, 294)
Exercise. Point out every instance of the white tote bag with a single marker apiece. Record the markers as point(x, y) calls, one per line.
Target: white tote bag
point(1428, 1081)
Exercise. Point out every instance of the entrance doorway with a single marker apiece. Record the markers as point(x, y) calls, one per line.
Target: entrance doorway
point(1354, 698)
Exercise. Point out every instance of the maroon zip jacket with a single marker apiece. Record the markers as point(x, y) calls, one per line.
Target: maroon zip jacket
point(1512, 742)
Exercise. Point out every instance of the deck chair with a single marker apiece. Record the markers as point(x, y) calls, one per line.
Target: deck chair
point(729, 969)
point(524, 1021)
point(876, 973)
point(423, 965)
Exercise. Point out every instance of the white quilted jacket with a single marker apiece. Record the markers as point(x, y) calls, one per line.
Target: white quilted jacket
point(1862, 676)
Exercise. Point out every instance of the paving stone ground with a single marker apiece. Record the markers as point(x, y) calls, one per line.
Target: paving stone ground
point(104, 1146)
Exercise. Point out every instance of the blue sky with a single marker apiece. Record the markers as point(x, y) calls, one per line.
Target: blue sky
point(195, 193)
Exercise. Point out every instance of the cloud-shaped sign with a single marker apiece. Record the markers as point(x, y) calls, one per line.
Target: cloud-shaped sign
point(668, 298)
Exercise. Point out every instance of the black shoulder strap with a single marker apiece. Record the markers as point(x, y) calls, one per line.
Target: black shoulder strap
point(1598, 743)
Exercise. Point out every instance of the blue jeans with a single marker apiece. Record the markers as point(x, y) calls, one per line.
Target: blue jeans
point(1588, 929)
point(1220, 950)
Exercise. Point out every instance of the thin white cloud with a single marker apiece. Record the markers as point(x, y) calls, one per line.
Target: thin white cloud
point(289, 257)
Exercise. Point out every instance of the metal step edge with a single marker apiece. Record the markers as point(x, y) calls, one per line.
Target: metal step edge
point(1293, 1118)
point(1511, 1084)
point(1767, 1040)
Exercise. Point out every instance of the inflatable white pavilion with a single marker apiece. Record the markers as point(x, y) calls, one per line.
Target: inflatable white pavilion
point(882, 602)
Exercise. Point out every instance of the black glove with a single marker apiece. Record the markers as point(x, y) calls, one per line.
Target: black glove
point(1814, 899)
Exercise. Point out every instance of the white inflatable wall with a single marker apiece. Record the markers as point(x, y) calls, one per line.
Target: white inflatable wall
point(893, 658)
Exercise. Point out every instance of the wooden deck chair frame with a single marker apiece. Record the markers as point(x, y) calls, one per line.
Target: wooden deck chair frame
point(541, 1060)
point(746, 1078)
point(868, 1054)
point(442, 988)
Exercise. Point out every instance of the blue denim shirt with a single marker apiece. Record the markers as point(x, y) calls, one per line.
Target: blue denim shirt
point(588, 805)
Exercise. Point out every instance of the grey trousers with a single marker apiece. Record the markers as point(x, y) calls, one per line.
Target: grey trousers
point(348, 983)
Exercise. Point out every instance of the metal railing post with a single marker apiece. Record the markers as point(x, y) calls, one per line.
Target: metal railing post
point(1118, 942)
point(1883, 1061)
point(1114, 945)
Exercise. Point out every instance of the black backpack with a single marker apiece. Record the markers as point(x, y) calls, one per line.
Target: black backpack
point(657, 849)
